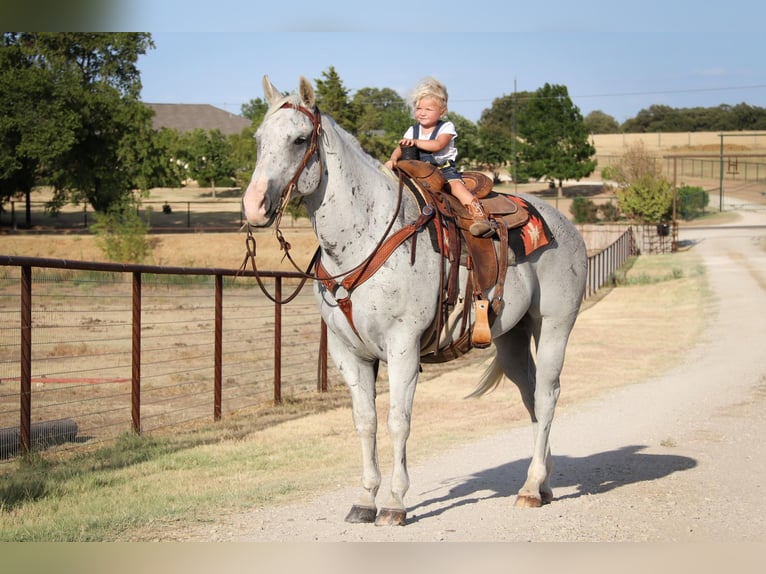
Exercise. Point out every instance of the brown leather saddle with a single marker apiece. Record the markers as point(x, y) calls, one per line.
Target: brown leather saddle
point(486, 259)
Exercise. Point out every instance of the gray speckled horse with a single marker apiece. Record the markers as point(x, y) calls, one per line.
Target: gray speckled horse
point(353, 204)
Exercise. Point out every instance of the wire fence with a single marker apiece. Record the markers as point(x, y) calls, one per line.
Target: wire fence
point(83, 360)
point(91, 351)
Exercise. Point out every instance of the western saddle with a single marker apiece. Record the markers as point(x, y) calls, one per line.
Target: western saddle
point(486, 259)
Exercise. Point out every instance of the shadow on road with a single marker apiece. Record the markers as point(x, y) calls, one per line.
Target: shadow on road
point(590, 475)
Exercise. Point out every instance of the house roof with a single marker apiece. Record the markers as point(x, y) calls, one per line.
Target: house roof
point(186, 117)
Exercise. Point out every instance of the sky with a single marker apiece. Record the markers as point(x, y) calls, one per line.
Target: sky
point(617, 57)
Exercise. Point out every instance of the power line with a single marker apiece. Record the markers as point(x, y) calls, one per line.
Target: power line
point(647, 93)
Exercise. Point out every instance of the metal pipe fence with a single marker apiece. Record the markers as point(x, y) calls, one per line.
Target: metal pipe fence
point(130, 347)
point(603, 265)
point(90, 351)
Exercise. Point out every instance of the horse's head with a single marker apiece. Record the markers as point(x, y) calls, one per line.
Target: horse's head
point(288, 153)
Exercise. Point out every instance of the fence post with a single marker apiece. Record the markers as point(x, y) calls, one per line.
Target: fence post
point(218, 348)
point(135, 405)
point(322, 367)
point(25, 393)
point(277, 341)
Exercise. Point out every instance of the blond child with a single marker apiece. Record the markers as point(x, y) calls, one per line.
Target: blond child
point(435, 140)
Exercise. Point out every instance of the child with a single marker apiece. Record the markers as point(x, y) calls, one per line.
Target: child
point(435, 140)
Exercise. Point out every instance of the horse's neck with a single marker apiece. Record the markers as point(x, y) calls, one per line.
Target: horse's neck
point(356, 206)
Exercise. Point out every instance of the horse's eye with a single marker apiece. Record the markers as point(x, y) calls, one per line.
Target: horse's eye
point(300, 140)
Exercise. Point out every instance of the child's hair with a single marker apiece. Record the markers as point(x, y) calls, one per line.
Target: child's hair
point(429, 87)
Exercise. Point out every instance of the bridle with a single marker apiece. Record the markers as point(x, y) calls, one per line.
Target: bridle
point(313, 148)
point(358, 274)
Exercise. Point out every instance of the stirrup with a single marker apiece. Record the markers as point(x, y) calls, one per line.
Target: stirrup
point(481, 336)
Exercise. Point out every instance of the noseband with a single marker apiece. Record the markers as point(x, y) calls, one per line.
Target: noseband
point(316, 122)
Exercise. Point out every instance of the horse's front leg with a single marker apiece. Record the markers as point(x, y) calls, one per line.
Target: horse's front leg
point(360, 376)
point(403, 376)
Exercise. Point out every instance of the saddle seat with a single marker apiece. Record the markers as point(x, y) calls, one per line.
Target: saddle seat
point(504, 214)
point(486, 259)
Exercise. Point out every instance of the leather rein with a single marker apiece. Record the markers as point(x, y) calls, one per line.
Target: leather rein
point(358, 274)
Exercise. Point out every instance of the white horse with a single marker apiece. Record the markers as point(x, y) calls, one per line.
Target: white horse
point(353, 204)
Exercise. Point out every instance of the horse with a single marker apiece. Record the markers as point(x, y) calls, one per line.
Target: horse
point(354, 205)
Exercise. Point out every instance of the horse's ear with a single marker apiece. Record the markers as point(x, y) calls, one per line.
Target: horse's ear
point(270, 92)
point(306, 92)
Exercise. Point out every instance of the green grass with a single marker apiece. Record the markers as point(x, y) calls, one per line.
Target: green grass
point(138, 481)
point(657, 269)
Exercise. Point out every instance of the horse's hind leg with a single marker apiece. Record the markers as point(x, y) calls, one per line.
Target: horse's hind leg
point(515, 356)
point(551, 347)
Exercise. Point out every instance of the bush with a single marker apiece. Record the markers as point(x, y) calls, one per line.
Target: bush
point(609, 212)
point(121, 234)
point(648, 199)
point(692, 201)
point(584, 210)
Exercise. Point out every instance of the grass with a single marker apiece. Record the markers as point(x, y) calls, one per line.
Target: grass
point(159, 487)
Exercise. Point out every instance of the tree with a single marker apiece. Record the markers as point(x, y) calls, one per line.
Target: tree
point(498, 132)
point(72, 115)
point(468, 141)
point(598, 122)
point(647, 199)
point(332, 99)
point(254, 110)
point(643, 193)
point(553, 138)
point(209, 157)
point(381, 118)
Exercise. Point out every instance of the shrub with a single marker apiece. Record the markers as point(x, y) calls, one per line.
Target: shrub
point(121, 234)
point(692, 201)
point(584, 210)
point(648, 199)
point(609, 212)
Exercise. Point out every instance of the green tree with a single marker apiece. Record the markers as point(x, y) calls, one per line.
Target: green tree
point(208, 153)
point(647, 199)
point(468, 141)
point(381, 118)
point(643, 193)
point(243, 155)
point(498, 133)
point(71, 116)
point(254, 110)
point(598, 122)
point(332, 99)
point(554, 140)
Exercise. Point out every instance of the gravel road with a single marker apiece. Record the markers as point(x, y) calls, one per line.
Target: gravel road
point(677, 458)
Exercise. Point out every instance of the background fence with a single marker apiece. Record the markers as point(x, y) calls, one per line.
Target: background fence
point(90, 351)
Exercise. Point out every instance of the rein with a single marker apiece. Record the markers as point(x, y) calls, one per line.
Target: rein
point(358, 274)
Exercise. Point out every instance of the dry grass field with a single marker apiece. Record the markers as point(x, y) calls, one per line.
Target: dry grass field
point(201, 230)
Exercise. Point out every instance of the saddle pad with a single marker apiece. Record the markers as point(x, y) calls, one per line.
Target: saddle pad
point(530, 237)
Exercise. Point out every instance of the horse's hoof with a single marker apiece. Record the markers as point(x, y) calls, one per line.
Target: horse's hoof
point(391, 517)
point(361, 514)
point(528, 501)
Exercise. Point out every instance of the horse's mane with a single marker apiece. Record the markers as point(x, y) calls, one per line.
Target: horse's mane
point(346, 139)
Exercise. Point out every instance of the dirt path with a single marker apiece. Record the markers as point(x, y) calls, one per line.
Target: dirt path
point(677, 458)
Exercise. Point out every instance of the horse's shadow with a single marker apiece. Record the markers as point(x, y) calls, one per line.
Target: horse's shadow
point(593, 474)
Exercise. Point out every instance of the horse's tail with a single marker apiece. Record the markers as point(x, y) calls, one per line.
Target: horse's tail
point(489, 381)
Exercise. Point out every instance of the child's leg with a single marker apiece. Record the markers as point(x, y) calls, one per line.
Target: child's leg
point(459, 190)
point(480, 226)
